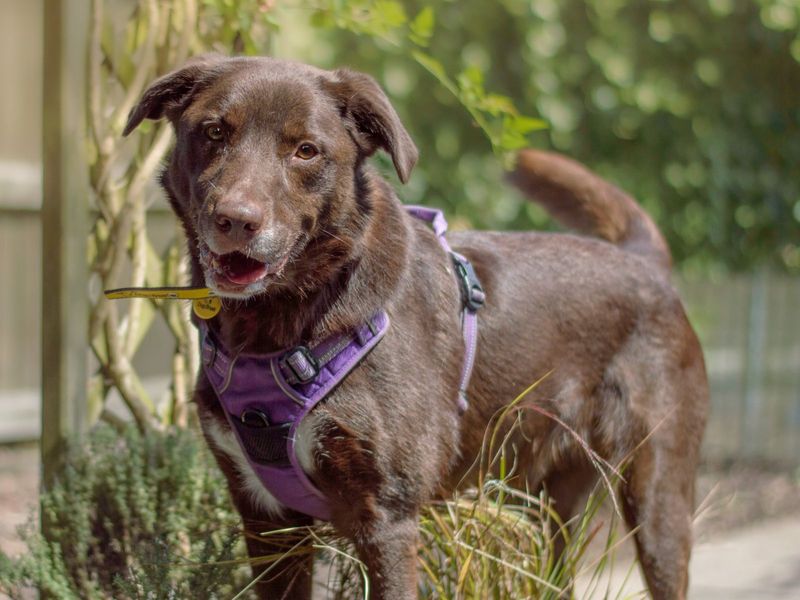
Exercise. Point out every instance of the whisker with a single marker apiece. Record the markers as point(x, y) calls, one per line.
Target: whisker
point(333, 235)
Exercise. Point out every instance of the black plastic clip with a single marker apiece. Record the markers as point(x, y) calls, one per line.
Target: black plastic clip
point(472, 293)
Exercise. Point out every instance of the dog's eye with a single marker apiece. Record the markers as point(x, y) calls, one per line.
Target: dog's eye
point(215, 133)
point(306, 151)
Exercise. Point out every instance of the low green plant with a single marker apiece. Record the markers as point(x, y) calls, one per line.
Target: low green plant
point(132, 516)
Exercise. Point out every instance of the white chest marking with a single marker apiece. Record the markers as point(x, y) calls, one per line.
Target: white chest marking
point(225, 441)
point(305, 440)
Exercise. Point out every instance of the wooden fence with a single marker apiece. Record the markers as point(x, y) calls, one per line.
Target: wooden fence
point(749, 326)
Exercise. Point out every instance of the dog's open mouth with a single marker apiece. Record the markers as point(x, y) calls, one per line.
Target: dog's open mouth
point(238, 274)
point(240, 269)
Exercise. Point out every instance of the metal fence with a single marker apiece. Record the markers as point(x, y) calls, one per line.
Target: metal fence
point(750, 331)
point(749, 326)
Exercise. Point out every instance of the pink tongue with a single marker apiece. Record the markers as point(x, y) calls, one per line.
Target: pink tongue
point(240, 269)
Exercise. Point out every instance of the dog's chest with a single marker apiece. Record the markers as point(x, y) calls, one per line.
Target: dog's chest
point(222, 439)
point(266, 401)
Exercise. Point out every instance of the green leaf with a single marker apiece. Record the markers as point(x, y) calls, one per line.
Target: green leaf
point(515, 130)
point(422, 26)
point(391, 13)
point(527, 125)
point(496, 105)
point(470, 83)
point(470, 80)
point(322, 19)
point(433, 66)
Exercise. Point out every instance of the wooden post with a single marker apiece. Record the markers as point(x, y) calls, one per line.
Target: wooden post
point(64, 229)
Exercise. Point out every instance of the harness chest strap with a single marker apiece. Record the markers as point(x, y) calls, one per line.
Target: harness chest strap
point(266, 396)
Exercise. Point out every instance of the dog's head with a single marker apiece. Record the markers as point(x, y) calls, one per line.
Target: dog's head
point(268, 161)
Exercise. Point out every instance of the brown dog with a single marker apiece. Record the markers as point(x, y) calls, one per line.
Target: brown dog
point(287, 221)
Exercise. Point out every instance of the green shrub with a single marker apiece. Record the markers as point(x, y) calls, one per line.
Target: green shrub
point(133, 516)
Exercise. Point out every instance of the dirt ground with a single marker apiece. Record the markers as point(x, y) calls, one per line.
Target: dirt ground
point(729, 497)
point(739, 496)
point(19, 488)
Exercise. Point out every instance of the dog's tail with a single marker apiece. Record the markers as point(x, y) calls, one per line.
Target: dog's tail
point(582, 201)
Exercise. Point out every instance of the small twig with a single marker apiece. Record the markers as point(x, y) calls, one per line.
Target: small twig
point(115, 421)
point(139, 271)
point(144, 172)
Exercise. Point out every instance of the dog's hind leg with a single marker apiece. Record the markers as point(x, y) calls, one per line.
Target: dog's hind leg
point(658, 501)
point(568, 488)
point(658, 491)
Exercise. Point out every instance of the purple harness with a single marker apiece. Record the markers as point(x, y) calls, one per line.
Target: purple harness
point(266, 396)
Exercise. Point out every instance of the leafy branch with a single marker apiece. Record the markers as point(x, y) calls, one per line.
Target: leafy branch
point(505, 127)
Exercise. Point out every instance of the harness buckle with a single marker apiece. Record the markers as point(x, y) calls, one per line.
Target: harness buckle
point(472, 293)
point(262, 441)
point(254, 418)
point(301, 364)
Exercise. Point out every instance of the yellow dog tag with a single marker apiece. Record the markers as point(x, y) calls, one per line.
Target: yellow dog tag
point(206, 308)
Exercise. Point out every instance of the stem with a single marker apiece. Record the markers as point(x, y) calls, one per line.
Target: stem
point(121, 372)
point(152, 160)
point(139, 264)
point(143, 70)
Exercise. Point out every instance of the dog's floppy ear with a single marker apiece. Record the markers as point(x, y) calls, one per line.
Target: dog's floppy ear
point(372, 119)
point(173, 91)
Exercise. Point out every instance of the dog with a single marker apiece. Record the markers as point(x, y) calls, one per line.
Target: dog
point(302, 240)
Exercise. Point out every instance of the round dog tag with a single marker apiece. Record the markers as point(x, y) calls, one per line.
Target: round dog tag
point(206, 308)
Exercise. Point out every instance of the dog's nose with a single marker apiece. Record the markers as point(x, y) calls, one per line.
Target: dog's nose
point(238, 220)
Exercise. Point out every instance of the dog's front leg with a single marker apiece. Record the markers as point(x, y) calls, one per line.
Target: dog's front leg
point(279, 577)
point(290, 577)
point(389, 549)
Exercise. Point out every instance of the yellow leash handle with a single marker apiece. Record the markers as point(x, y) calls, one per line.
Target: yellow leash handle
point(204, 301)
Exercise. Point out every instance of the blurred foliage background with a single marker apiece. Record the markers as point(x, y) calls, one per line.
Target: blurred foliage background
point(690, 105)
